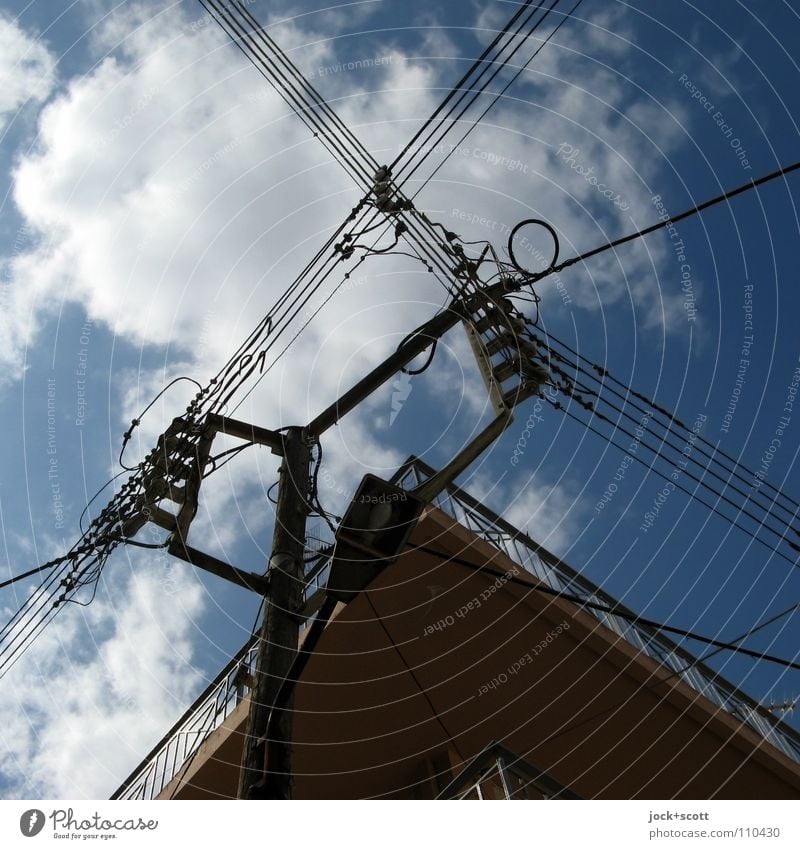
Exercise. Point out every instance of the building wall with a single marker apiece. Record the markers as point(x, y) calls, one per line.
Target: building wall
point(402, 691)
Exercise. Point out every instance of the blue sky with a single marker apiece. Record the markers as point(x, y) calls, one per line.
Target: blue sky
point(157, 197)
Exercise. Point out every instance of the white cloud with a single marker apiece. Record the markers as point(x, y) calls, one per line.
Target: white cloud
point(174, 199)
point(547, 513)
point(27, 69)
point(173, 188)
point(98, 690)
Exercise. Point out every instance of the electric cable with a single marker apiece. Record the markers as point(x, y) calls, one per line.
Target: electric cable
point(137, 421)
point(714, 447)
point(458, 86)
point(677, 485)
point(652, 412)
point(497, 97)
point(619, 611)
point(694, 210)
point(689, 460)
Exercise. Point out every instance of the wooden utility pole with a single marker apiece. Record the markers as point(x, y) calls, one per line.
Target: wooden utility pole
point(280, 628)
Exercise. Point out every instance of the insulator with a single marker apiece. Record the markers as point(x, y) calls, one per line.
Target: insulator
point(184, 447)
point(385, 203)
point(507, 369)
point(535, 373)
point(179, 471)
point(494, 320)
point(382, 173)
point(497, 344)
point(528, 349)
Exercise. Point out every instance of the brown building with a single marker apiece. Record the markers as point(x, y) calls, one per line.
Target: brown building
point(454, 675)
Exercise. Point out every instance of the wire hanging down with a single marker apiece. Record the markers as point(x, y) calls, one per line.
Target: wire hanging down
point(603, 404)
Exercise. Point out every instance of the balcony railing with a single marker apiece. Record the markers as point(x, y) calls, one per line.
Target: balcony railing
point(209, 711)
point(497, 773)
point(483, 522)
point(222, 696)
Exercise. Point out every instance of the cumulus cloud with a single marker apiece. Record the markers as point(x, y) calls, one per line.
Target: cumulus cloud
point(174, 197)
point(27, 70)
point(98, 690)
point(171, 188)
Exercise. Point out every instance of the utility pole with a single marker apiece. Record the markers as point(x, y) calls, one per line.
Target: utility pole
point(280, 627)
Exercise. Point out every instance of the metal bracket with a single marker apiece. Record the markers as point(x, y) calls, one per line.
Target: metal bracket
point(248, 580)
point(430, 488)
point(248, 432)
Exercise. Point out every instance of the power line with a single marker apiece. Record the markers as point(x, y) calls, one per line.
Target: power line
point(602, 376)
point(686, 458)
point(471, 94)
point(44, 567)
point(462, 82)
point(558, 406)
point(751, 184)
point(619, 611)
point(748, 633)
point(497, 97)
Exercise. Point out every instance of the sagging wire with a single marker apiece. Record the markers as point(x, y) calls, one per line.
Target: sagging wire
point(91, 501)
point(126, 437)
point(313, 500)
point(426, 365)
point(231, 454)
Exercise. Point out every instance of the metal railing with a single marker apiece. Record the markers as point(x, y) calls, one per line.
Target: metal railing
point(222, 696)
point(211, 708)
point(182, 741)
point(556, 574)
point(498, 773)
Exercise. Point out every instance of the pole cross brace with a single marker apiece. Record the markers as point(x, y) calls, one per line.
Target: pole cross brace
point(248, 580)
